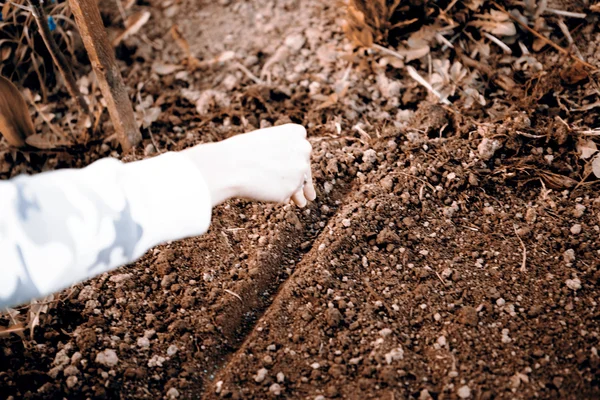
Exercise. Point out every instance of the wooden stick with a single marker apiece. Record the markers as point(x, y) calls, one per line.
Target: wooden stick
point(102, 57)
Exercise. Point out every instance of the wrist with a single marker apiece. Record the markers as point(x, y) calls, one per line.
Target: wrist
point(217, 167)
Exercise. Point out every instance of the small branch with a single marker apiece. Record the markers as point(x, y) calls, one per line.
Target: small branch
point(415, 75)
point(59, 59)
point(524, 263)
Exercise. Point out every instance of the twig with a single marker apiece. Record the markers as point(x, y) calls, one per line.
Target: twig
point(248, 73)
point(499, 42)
point(524, 263)
point(415, 75)
point(59, 59)
point(234, 294)
point(542, 37)
point(569, 14)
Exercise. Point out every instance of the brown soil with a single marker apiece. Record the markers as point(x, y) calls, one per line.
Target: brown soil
point(421, 271)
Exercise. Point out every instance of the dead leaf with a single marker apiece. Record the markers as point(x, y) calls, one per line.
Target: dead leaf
point(181, 41)
point(555, 181)
point(47, 142)
point(574, 74)
point(133, 26)
point(586, 148)
point(165, 69)
point(596, 166)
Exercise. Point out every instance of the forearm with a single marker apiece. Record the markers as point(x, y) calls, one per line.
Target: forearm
point(62, 227)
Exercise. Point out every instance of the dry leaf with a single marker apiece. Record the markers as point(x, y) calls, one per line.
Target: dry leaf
point(181, 41)
point(495, 22)
point(133, 26)
point(596, 166)
point(47, 142)
point(165, 69)
point(555, 181)
point(586, 148)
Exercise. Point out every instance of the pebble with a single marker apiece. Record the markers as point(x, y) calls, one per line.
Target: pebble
point(327, 187)
point(579, 210)
point(295, 41)
point(573, 284)
point(107, 358)
point(370, 156)
point(143, 342)
point(320, 397)
point(500, 302)
point(219, 387)
point(576, 229)
point(260, 375)
point(315, 365)
point(464, 392)
point(569, 255)
point(437, 316)
point(442, 340)
point(275, 389)
point(120, 278)
point(346, 222)
point(172, 350)
point(487, 148)
point(71, 370)
point(172, 393)
point(72, 381)
point(333, 317)
point(272, 347)
point(280, 377)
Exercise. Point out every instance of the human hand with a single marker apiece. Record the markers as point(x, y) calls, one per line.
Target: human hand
point(271, 165)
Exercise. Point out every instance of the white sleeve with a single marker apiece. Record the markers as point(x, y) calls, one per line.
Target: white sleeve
point(61, 227)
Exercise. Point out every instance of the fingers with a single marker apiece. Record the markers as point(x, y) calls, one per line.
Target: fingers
point(299, 199)
point(309, 186)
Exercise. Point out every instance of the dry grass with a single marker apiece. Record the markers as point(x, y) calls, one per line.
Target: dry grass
point(370, 21)
point(24, 57)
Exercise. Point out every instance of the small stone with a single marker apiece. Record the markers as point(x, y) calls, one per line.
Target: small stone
point(488, 147)
point(168, 280)
point(219, 387)
point(468, 316)
point(385, 332)
point(531, 215)
point(573, 284)
point(172, 393)
point(120, 278)
point(172, 350)
point(295, 41)
point(500, 302)
point(569, 255)
point(346, 222)
point(576, 229)
point(107, 358)
point(437, 316)
point(464, 392)
point(370, 156)
point(280, 377)
point(71, 370)
point(272, 347)
point(442, 341)
point(579, 210)
point(333, 316)
point(268, 360)
point(447, 273)
point(72, 381)
point(327, 187)
point(315, 365)
point(143, 342)
point(275, 389)
point(260, 375)
point(320, 397)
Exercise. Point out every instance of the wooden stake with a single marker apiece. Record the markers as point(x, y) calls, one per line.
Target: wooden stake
point(102, 57)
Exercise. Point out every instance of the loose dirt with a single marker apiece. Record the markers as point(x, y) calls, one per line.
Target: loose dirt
point(425, 269)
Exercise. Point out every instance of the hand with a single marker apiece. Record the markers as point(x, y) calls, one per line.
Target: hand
point(271, 165)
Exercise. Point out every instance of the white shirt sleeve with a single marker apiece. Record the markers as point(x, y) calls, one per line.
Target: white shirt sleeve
point(61, 227)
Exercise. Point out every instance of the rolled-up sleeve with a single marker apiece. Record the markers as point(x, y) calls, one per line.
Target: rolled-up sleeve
point(62, 227)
